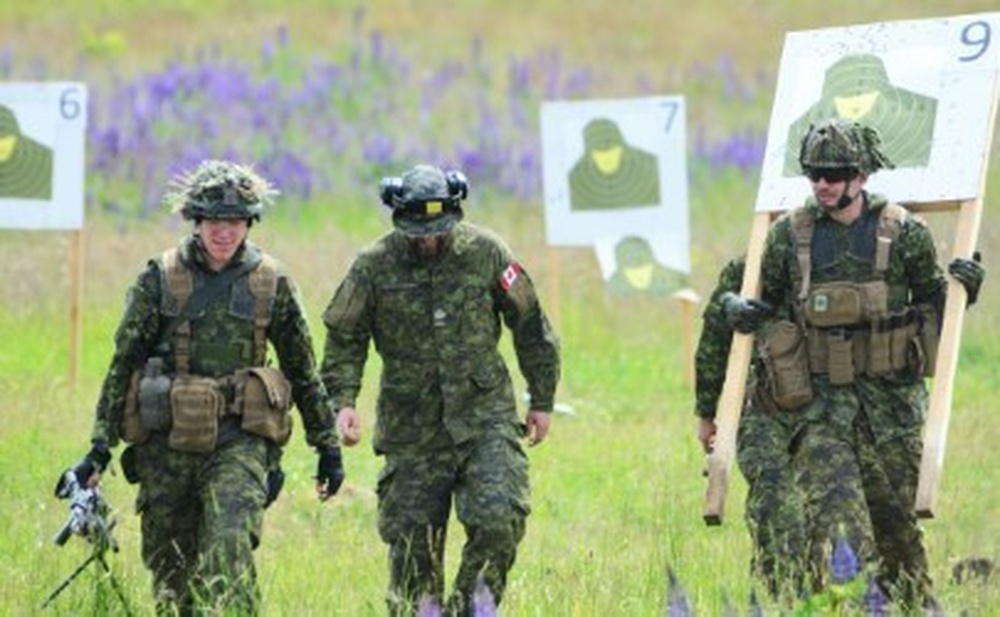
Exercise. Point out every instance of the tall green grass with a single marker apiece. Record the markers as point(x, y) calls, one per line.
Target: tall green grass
point(617, 489)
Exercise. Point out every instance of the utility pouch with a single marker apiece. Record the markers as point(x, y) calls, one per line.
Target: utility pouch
point(840, 367)
point(264, 399)
point(197, 405)
point(131, 426)
point(902, 352)
point(835, 304)
point(786, 362)
point(130, 466)
point(874, 299)
point(879, 356)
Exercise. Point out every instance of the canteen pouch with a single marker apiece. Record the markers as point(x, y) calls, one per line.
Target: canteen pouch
point(197, 404)
point(835, 304)
point(786, 362)
point(264, 399)
point(840, 366)
point(131, 428)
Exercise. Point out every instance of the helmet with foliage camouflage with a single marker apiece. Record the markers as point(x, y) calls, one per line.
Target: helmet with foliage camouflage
point(220, 190)
point(425, 201)
point(842, 144)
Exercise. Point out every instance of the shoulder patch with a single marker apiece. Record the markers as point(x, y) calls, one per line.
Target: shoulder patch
point(510, 275)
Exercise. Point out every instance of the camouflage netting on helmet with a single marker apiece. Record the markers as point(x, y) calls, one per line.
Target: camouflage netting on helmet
point(219, 190)
point(841, 143)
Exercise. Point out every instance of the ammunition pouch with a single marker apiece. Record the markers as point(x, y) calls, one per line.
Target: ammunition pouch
point(786, 365)
point(901, 343)
point(196, 404)
point(263, 397)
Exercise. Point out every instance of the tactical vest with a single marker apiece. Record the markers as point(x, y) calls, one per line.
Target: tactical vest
point(263, 282)
point(847, 326)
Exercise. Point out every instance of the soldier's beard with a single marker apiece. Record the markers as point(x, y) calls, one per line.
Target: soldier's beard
point(429, 247)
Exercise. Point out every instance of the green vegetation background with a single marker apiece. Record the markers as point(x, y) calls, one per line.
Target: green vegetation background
point(618, 488)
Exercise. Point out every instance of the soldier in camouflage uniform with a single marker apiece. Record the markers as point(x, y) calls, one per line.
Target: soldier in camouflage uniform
point(431, 295)
point(773, 508)
point(202, 508)
point(860, 278)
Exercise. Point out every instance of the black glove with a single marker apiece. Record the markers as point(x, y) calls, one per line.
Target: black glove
point(275, 481)
point(744, 314)
point(970, 273)
point(330, 469)
point(95, 461)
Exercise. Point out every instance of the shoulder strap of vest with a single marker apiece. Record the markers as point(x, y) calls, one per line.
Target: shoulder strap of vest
point(264, 288)
point(802, 230)
point(890, 222)
point(180, 284)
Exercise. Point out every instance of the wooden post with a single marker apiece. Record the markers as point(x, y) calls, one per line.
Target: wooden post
point(552, 302)
point(688, 299)
point(727, 416)
point(76, 260)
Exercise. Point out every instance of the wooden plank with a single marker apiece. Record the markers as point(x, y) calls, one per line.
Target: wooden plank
point(939, 413)
point(727, 415)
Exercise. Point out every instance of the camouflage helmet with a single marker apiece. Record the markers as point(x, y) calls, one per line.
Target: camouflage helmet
point(425, 200)
point(839, 143)
point(220, 190)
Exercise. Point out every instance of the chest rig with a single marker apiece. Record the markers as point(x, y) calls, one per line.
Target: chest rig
point(263, 284)
point(847, 325)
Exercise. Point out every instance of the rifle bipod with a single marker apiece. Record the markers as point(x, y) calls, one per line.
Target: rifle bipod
point(96, 555)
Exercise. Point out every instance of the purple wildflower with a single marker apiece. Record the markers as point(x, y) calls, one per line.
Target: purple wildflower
point(429, 607)
point(483, 604)
point(678, 604)
point(875, 601)
point(843, 562)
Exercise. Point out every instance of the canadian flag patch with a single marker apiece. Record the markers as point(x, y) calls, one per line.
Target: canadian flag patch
point(510, 275)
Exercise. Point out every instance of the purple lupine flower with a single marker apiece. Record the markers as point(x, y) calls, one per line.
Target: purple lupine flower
point(843, 562)
point(483, 603)
point(875, 601)
point(678, 604)
point(429, 606)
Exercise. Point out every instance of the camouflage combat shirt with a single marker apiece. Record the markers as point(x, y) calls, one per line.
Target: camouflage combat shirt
point(716, 338)
point(221, 340)
point(436, 325)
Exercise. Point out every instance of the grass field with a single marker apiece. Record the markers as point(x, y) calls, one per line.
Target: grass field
point(617, 490)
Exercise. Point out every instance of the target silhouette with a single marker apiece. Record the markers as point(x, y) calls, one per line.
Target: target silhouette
point(857, 87)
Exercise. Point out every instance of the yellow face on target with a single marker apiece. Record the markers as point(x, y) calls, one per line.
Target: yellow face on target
point(7, 147)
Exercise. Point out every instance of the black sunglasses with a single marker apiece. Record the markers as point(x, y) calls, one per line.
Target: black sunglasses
point(832, 175)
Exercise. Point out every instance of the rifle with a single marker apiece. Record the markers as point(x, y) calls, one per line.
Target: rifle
point(89, 518)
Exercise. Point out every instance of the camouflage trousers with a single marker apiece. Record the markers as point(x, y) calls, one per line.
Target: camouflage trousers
point(890, 474)
point(201, 521)
point(773, 510)
point(858, 472)
point(487, 477)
